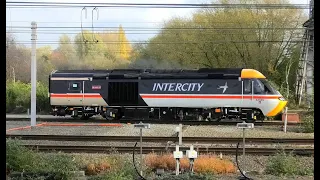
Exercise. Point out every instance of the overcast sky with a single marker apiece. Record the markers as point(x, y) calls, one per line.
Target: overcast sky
point(127, 17)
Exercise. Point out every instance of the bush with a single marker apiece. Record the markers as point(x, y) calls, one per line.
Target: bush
point(215, 165)
point(308, 124)
point(121, 169)
point(286, 164)
point(96, 168)
point(203, 164)
point(22, 159)
point(19, 94)
point(60, 164)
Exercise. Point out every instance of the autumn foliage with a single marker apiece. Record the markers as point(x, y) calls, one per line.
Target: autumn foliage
point(203, 164)
point(96, 168)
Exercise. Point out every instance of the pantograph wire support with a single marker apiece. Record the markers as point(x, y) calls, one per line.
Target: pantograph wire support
point(83, 9)
point(93, 35)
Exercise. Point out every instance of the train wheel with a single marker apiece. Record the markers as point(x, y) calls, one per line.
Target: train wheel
point(85, 117)
point(214, 120)
point(113, 114)
point(249, 120)
point(180, 115)
point(103, 115)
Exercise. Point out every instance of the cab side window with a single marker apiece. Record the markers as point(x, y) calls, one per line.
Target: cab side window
point(260, 88)
point(247, 86)
point(74, 86)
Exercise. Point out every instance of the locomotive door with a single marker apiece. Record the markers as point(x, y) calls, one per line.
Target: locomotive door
point(247, 91)
point(76, 93)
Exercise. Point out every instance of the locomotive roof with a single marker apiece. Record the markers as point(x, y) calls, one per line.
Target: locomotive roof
point(161, 73)
point(153, 71)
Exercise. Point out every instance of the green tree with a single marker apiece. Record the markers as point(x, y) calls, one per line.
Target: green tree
point(18, 60)
point(64, 56)
point(44, 65)
point(262, 39)
point(95, 54)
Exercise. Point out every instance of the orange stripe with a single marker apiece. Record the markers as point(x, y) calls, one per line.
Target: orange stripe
point(209, 97)
point(25, 127)
point(56, 124)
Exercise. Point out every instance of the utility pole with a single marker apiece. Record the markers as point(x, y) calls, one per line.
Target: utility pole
point(33, 74)
point(305, 82)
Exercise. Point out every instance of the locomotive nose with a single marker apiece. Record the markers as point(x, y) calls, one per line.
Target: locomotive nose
point(282, 102)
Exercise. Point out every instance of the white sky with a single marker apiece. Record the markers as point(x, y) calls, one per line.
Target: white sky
point(127, 17)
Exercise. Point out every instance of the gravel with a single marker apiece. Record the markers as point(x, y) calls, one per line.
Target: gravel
point(87, 143)
point(231, 131)
point(15, 124)
point(156, 130)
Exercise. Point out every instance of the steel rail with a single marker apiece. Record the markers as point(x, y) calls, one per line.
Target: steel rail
point(257, 123)
point(163, 149)
point(162, 139)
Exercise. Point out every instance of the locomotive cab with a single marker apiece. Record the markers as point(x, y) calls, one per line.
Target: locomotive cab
point(266, 98)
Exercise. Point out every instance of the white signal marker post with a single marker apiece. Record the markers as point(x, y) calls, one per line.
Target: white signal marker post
point(177, 155)
point(33, 74)
point(244, 126)
point(285, 120)
point(179, 131)
point(141, 126)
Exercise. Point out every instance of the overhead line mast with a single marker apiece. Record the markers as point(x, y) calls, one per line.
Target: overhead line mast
point(305, 79)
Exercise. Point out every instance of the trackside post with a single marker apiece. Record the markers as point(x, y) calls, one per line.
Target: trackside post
point(141, 126)
point(33, 74)
point(285, 120)
point(244, 126)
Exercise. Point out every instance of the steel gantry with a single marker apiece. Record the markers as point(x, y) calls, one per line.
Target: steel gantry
point(305, 82)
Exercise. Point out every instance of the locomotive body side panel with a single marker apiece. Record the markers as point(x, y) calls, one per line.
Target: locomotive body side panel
point(95, 93)
point(204, 93)
point(77, 92)
point(57, 89)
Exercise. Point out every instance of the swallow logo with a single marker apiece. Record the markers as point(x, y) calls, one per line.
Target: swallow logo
point(223, 87)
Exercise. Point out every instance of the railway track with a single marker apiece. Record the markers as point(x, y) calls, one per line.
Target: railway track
point(163, 149)
point(258, 123)
point(204, 140)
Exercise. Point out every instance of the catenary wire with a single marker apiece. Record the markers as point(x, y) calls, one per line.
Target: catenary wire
point(154, 28)
point(24, 4)
point(143, 42)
